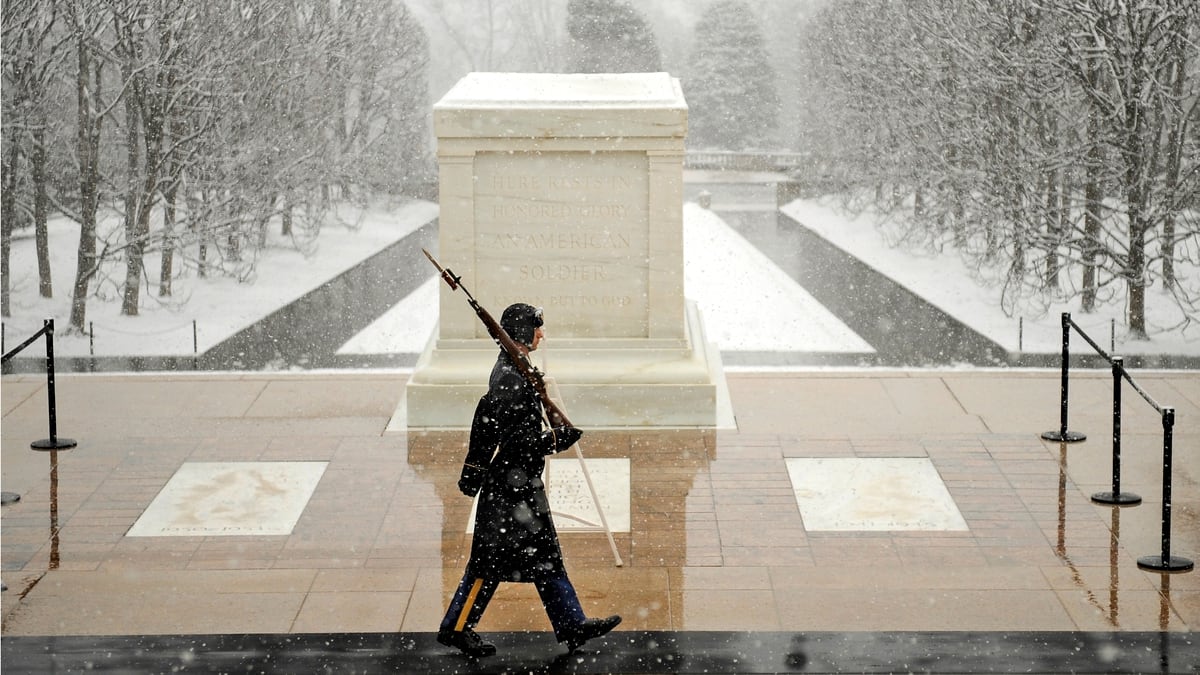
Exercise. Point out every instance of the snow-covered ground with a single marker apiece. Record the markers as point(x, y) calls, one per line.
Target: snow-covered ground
point(748, 303)
point(219, 306)
point(947, 283)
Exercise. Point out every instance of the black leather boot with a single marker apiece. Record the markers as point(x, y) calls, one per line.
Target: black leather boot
point(468, 641)
point(590, 629)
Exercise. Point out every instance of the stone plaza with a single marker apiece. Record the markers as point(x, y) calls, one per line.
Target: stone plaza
point(727, 546)
point(749, 519)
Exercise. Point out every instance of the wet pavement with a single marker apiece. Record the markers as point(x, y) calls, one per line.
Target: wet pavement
point(632, 653)
point(722, 570)
point(307, 333)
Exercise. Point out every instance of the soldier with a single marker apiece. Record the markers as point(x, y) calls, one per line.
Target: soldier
point(514, 537)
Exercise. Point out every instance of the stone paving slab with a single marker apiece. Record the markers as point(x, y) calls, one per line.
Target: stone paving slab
point(717, 542)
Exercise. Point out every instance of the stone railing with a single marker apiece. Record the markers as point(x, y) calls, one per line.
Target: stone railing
point(745, 161)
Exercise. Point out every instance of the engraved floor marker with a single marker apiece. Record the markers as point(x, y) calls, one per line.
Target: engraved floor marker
point(571, 501)
point(230, 498)
point(872, 494)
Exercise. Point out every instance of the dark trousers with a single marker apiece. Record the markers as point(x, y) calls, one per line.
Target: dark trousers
point(557, 594)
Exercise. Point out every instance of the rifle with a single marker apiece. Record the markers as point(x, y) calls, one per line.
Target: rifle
point(532, 375)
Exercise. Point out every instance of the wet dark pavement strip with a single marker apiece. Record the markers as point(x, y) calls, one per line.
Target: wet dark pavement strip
point(632, 652)
point(904, 329)
point(305, 334)
point(308, 332)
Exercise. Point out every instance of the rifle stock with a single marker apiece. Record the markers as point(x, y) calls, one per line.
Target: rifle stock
point(496, 331)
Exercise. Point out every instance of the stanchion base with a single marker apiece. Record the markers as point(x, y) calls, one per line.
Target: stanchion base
point(1069, 437)
point(7, 498)
point(1117, 498)
point(53, 444)
point(1171, 564)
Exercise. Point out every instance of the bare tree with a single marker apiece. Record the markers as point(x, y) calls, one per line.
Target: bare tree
point(490, 35)
point(1052, 135)
point(85, 22)
point(1184, 105)
point(201, 123)
point(32, 53)
point(1134, 45)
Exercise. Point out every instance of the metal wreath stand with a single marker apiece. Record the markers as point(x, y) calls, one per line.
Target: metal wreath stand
point(555, 395)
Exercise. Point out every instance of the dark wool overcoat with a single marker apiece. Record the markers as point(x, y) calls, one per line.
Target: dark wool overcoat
point(514, 536)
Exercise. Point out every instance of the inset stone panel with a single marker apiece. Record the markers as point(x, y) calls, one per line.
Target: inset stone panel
point(872, 494)
point(566, 231)
point(571, 501)
point(230, 498)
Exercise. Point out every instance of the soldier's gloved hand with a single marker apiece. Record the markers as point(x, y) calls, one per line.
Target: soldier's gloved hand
point(471, 480)
point(565, 437)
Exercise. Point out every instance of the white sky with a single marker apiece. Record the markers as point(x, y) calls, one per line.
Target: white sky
point(748, 303)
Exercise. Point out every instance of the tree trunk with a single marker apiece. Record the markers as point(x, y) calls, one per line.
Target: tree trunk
point(285, 228)
point(161, 129)
point(87, 90)
point(152, 136)
point(1053, 180)
point(1093, 198)
point(1065, 196)
point(133, 241)
point(1135, 273)
point(1053, 234)
point(1135, 207)
point(8, 212)
point(200, 235)
point(1174, 159)
point(166, 268)
point(37, 165)
point(1093, 205)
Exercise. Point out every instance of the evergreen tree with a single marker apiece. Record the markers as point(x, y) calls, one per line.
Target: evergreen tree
point(731, 90)
point(610, 36)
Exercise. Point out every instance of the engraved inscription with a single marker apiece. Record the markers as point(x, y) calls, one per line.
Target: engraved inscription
point(518, 210)
point(520, 183)
point(563, 273)
point(559, 240)
point(566, 231)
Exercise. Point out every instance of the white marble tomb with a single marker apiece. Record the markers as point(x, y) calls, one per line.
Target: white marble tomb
point(565, 191)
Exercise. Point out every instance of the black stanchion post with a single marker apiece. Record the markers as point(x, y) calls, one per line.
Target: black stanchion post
point(54, 442)
point(1116, 496)
point(1062, 435)
point(1166, 562)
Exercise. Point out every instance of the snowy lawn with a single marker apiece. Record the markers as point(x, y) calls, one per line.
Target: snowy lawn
point(748, 303)
point(724, 274)
point(945, 282)
point(220, 306)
